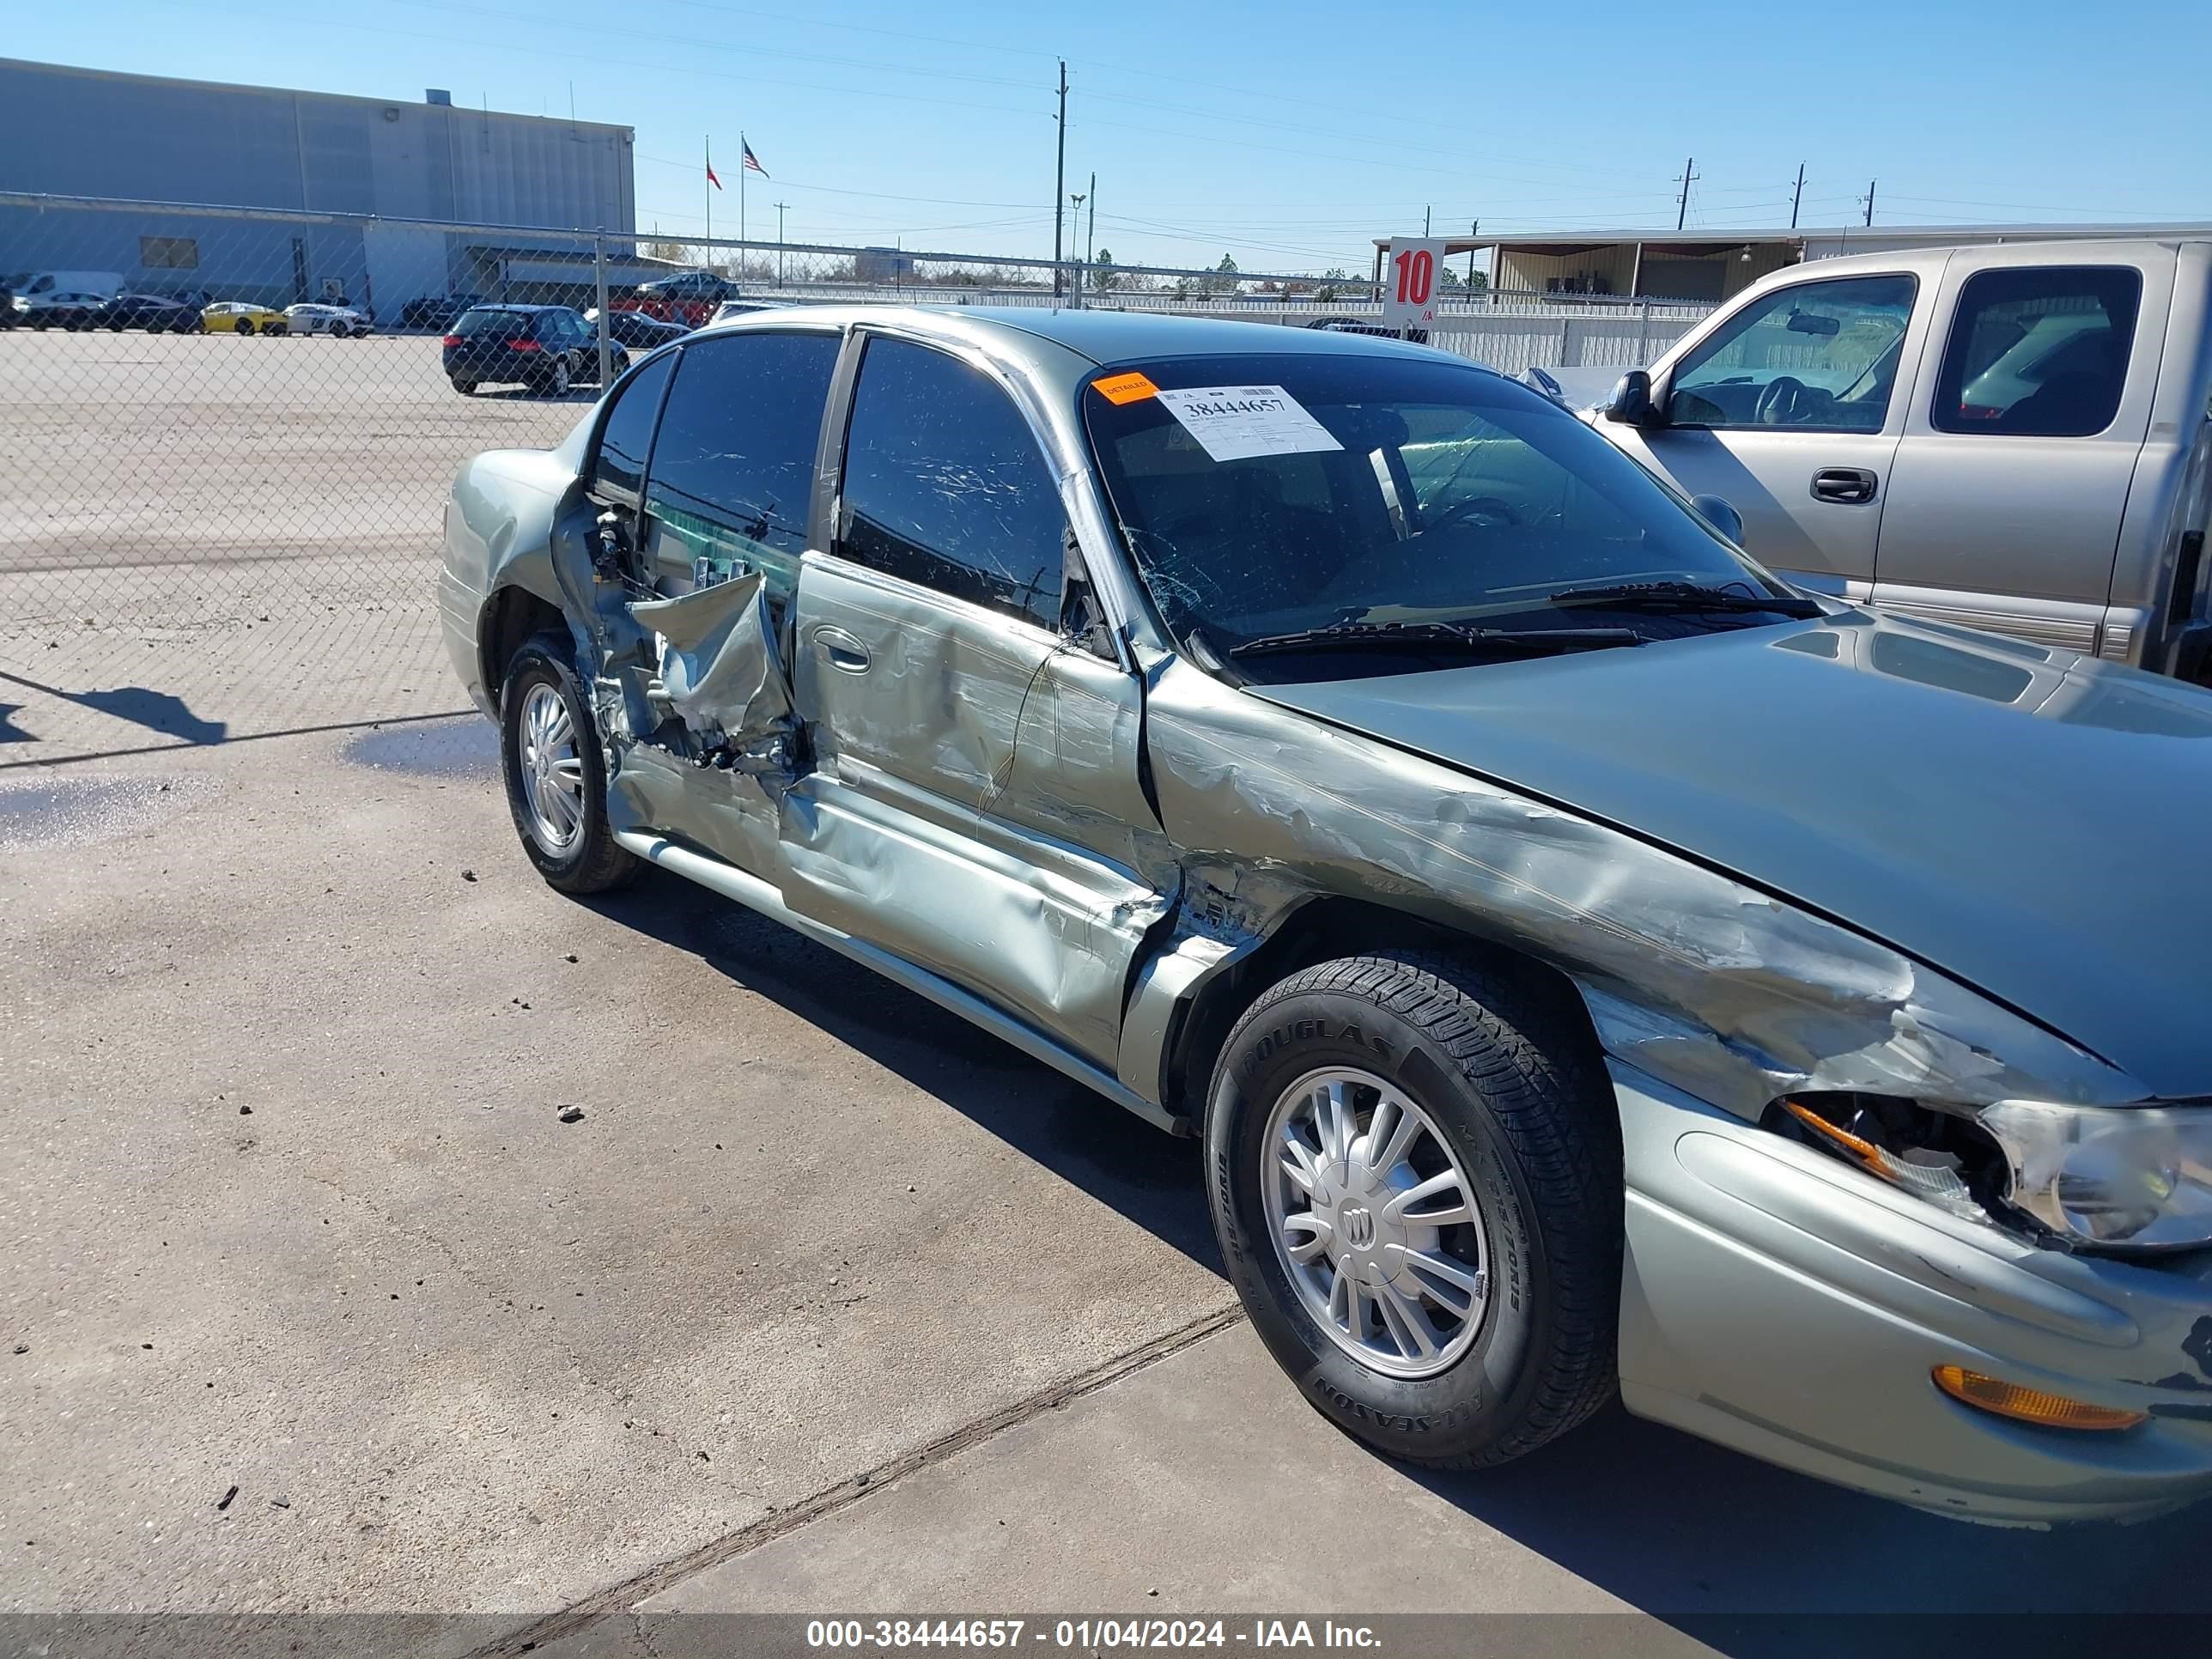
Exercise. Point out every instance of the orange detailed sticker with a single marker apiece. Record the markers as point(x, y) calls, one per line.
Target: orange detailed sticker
point(1125, 388)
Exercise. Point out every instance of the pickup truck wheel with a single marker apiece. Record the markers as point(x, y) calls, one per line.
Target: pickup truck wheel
point(1415, 1176)
point(556, 777)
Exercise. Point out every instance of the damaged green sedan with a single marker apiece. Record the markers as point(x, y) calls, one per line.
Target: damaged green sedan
point(1589, 964)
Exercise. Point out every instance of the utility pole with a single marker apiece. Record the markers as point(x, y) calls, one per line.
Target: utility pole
point(780, 207)
point(1059, 181)
point(1797, 196)
point(1868, 199)
point(1689, 177)
point(1090, 236)
point(1474, 229)
point(1425, 223)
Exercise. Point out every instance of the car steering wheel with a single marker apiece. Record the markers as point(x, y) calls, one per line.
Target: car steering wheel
point(1781, 403)
point(1488, 508)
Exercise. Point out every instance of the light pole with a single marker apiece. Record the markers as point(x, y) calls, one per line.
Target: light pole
point(1076, 199)
point(780, 207)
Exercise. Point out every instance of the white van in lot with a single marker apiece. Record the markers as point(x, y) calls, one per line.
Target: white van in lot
point(107, 285)
point(2016, 437)
point(62, 297)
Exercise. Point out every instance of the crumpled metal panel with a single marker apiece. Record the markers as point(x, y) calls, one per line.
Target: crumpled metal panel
point(720, 668)
point(1047, 945)
point(1692, 976)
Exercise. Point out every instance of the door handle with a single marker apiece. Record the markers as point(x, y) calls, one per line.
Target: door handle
point(844, 652)
point(1850, 484)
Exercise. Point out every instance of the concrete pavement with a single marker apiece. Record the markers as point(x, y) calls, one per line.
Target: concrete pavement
point(290, 1208)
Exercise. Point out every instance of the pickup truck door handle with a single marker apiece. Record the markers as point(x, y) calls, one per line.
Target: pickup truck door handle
point(842, 650)
point(1844, 483)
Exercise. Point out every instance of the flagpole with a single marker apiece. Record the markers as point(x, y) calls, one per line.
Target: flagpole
point(743, 150)
point(709, 188)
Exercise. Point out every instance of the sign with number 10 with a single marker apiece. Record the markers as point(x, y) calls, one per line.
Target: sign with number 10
point(1409, 282)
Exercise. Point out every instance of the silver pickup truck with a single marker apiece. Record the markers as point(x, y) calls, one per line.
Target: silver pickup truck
point(2014, 437)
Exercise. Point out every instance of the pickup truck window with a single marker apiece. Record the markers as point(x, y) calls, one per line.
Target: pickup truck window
point(2039, 352)
point(1815, 356)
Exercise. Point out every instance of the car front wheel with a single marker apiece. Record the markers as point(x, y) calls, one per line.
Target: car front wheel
point(557, 776)
point(1415, 1176)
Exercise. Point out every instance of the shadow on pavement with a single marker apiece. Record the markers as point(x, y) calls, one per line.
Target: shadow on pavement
point(1152, 1178)
point(1763, 1563)
point(160, 712)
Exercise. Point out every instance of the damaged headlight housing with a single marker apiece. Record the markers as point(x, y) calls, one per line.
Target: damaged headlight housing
point(2124, 1178)
point(2134, 1178)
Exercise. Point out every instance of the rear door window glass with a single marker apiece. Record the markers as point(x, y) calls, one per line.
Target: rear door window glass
point(2041, 351)
point(734, 466)
point(1815, 356)
point(945, 486)
point(627, 435)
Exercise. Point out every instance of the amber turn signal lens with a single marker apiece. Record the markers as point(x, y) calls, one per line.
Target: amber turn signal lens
point(2049, 1410)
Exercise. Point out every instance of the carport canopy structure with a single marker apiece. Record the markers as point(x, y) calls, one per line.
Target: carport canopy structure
point(1710, 265)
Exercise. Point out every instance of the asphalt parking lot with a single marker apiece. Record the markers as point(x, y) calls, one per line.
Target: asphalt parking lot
point(205, 538)
point(131, 450)
point(823, 1301)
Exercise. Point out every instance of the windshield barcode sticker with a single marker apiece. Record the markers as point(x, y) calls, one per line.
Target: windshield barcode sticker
point(1235, 422)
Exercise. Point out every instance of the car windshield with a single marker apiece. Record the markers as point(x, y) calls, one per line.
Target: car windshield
point(1268, 495)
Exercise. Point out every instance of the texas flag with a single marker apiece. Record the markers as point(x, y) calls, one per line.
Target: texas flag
point(711, 178)
point(751, 160)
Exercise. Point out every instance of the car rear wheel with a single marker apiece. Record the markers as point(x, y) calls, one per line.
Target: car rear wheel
point(556, 777)
point(339, 331)
point(1415, 1177)
point(557, 378)
point(115, 325)
point(466, 388)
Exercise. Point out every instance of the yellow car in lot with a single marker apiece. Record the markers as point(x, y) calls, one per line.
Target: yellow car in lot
point(242, 316)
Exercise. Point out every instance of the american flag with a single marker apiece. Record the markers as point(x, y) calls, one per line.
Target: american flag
point(752, 161)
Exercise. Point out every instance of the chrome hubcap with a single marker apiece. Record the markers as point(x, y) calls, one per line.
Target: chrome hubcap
point(552, 770)
point(1376, 1223)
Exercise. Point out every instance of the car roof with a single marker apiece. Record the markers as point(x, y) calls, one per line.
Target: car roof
point(1102, 337)
point(502, 305)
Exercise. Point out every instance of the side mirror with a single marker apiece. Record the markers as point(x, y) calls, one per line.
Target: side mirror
point(1716, 511)
point(1631, 402)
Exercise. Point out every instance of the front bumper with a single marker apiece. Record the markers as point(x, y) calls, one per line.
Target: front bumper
point(1780, 1303)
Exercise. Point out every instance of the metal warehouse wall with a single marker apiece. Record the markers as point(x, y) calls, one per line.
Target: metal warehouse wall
point(86, 132)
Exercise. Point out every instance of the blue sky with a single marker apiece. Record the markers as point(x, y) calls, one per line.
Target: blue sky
point(1287, 134)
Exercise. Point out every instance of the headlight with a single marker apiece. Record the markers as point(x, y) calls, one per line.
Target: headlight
point(2135, 1177)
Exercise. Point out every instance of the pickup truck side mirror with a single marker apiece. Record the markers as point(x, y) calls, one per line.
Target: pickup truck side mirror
point(1716, 511)
point(1631, 402)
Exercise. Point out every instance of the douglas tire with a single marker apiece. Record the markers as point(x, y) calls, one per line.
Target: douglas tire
point(1414, 1166)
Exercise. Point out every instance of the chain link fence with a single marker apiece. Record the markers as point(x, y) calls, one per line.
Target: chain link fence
point(229, 432)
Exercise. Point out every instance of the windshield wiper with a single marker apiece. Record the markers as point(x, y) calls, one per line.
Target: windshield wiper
point(1686, 596)
point(1427, 635)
